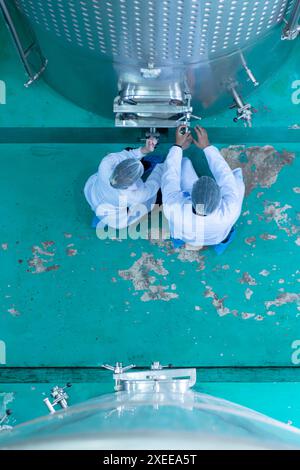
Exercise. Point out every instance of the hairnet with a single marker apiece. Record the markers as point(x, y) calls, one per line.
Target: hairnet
point(126, 173)
point(206, 195)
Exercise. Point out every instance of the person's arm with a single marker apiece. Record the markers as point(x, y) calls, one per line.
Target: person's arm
point(222, 174)
point(171, 179)
point(134, 153)
point(145, 192)
point(141, 152)
point(149, 188)
point(220, 169)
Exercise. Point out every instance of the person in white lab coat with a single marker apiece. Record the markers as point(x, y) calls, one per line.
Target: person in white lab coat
point(200, 211)
point(117, 193)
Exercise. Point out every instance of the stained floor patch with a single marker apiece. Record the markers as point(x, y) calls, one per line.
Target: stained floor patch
point(275, 212)
point(42, 259)
point(14, 312)
point(142, 276)
point(284, 299)
point(261, 165)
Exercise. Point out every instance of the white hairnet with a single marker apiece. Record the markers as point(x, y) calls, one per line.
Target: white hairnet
point(126, 173)
point(206, 195)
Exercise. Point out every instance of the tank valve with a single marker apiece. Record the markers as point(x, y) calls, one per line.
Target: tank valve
point(186, 117)
point(5, 417)
point(60, 398)
point(244, 111)
point(153, 133)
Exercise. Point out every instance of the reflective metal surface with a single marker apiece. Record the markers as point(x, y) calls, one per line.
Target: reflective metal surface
point(157, 31)
point(159, 420)
point(153, 409)
point(158, 379)
point(150, 52)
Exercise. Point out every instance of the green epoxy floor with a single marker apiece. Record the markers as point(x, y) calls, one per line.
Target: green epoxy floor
point(64, 299)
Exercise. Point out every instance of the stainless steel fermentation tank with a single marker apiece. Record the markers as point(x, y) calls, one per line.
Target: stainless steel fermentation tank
point(154, 408)
point(151, 60)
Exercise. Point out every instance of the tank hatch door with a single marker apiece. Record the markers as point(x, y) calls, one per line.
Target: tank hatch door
point(153, 105)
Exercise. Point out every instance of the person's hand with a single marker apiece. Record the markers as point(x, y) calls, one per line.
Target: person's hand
point(187, 142)
point(151, 143)
point(202, 138)
point(183, 137)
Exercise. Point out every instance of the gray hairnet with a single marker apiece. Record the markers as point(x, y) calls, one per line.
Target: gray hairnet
point(206, 195)
point(126, 173)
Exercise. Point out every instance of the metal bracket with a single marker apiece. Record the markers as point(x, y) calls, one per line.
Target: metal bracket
point(60, 398)
point(151, 71)
point(24, 53)
point(156, 379)
point(153, 113)
point(292, 26)
point(156, 365)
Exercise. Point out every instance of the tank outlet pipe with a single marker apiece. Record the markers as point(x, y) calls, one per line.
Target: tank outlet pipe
point(248, 70)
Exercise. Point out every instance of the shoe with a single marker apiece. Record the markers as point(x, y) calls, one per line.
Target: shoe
point(95, 221)
point(221, 247)
point(177, 243)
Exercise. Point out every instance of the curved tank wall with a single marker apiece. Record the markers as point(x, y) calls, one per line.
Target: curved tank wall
point(97, 48)
point(155, 420)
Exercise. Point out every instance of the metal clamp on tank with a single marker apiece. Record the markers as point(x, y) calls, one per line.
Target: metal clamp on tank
point(60, 398)
point(156, 379)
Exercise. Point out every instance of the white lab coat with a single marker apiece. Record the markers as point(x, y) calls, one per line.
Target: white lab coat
point(119, 208)
point(177, 182)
